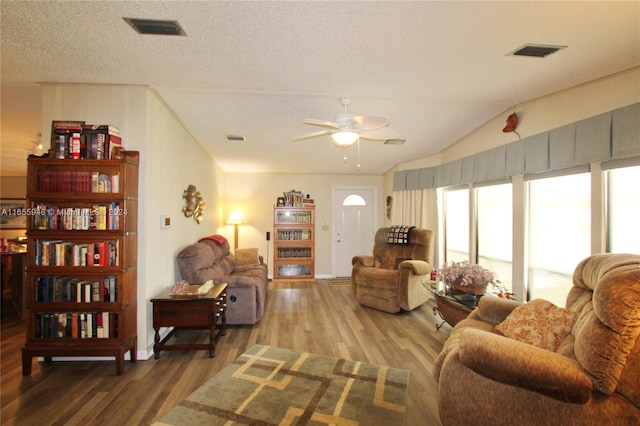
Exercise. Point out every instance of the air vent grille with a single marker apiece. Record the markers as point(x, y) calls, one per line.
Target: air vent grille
point(156, 27)
point(238, 138)
point(394, 141)
point(536, 50)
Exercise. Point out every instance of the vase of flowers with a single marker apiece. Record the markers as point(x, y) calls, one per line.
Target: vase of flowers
point(467, 278)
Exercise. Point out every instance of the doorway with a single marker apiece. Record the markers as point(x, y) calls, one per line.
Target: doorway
point(354, 219)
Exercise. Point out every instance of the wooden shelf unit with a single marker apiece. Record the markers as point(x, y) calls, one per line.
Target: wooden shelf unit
point(294, 243)
point(81, 259)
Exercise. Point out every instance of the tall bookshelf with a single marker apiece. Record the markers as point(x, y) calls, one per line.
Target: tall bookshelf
point(81, 258)
point(294, 243)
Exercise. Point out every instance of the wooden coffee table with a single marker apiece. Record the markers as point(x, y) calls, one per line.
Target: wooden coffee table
point(192, 312)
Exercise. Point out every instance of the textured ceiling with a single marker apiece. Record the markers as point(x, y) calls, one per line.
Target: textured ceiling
point(437, 70)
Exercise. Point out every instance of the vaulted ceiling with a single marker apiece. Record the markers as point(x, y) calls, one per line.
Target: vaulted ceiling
point(437, 70)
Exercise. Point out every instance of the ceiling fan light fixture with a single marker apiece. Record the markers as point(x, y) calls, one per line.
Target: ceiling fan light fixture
point(344, 139)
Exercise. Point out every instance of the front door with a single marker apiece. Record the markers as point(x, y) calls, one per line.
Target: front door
point(354, 211)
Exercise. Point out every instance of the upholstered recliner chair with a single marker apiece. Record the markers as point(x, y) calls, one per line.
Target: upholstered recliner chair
point(573, 366)
point(394, 277)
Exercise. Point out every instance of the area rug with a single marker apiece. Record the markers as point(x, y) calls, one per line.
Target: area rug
point(273, 386)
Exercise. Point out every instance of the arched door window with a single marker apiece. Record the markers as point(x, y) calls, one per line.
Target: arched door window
point(354, 200)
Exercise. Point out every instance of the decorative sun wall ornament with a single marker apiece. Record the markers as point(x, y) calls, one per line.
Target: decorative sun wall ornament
point(194, 204)
point(512, 123)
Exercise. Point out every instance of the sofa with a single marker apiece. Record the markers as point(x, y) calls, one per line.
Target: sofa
point(244, 271)
point(393, 278)
point(538, 364)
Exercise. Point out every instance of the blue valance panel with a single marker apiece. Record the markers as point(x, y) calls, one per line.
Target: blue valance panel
point(612, 135)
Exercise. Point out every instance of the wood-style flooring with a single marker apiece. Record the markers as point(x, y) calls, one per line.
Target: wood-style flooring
point(321, 317)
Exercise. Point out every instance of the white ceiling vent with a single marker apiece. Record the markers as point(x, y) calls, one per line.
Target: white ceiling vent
point(536, 50)
point(394, 141)
point(156, 27)
point(237, 138)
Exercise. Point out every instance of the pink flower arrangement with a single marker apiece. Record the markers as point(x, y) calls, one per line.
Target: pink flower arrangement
point(465, 274)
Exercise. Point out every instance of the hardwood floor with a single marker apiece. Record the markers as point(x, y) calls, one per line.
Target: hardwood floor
point(318, 317)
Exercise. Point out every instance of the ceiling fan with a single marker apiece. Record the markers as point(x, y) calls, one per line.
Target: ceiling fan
point(347, 128)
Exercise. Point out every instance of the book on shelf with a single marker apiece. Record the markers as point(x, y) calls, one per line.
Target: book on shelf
point(61, 137)
point(78, 140)
point(292, 198)
point(64, 253)
point(114, 143)
point(74, 289)
point(76, 325)
point(77, 181)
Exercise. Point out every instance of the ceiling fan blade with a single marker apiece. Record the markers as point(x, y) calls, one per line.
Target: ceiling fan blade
point(322, 123)
point(369, 122)
point(380, 134)
point(312, 135)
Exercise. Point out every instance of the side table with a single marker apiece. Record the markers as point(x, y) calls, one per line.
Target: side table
point(194, 312)
point(452, 310)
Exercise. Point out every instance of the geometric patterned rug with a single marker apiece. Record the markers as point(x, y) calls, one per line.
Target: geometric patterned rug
point(274, 386)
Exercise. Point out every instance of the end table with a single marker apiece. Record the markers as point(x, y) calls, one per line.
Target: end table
point(194, 312)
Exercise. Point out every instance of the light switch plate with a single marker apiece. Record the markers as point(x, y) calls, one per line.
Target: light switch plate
point(165, 222)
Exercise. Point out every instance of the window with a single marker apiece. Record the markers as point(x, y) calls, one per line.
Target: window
point(495, 230)
point(559, 234)
point(456, 224)
point(623, 210)
point(354, 200)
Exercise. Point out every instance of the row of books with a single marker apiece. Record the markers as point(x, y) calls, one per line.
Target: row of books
point(293, 198)
point(295, 234)
point(294, 252)
point(63, 253)
point(74, 289)
point(77, 181)
point(295, 217)
point(78, 140)
point(76, 325)
point(99, 217)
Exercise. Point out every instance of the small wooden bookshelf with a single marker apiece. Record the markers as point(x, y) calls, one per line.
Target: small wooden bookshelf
point(294, 243)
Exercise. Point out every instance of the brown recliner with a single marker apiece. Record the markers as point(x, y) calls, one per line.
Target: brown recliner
point(397, 275)
point(592, 377)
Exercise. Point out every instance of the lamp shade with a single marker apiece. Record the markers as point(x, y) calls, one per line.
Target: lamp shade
point(235, 218)
point(344, 139)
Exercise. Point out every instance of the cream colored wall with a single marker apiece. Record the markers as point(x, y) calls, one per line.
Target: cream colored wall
point(170, 160)
point(13, 187)
point(538, 116)
point(256, 194)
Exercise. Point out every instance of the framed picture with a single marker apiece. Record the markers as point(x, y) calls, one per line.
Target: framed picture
point(13, 213)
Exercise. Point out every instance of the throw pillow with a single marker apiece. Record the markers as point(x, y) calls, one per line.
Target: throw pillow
point(539, 323)
point(247, 256)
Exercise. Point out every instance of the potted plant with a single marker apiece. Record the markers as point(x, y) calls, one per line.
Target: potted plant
point(467, 278)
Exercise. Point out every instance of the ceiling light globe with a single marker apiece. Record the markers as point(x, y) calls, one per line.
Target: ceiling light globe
point(344, 139)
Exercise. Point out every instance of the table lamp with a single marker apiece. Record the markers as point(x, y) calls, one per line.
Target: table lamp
point(235, 219)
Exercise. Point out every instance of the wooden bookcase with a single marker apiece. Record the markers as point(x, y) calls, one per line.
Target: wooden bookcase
point(81, 258)
point(294, 243)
